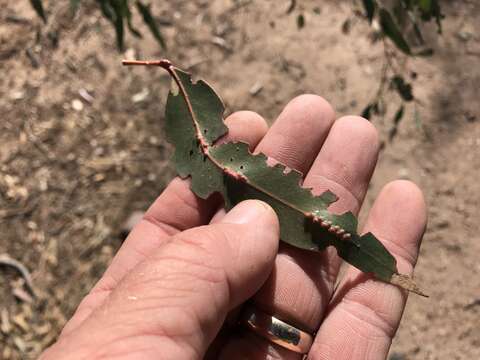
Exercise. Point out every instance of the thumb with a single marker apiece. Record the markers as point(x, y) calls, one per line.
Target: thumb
point(173, 304)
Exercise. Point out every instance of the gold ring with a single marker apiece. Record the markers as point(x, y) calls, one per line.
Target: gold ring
point(277, 331)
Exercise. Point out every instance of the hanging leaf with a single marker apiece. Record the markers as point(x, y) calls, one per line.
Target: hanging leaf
point(107, 10)
point(403, 88)
point(151, 23)
point(431, 9)
point(38, 7)
point(391, 30)
point(194, 123)
point(128, 15)
point(396, 120)
point(114, 12)
point(118, 24)
point(367, 111)
point(399, 115)
point(369, 6)
point(300, 21)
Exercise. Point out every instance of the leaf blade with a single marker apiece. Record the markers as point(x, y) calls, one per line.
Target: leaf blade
point(369, 6)
point(391, 30)
point(38, 7)
point(151, 23)
point(233, 171)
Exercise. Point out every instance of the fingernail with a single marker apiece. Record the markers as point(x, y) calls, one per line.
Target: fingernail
point(246, 212)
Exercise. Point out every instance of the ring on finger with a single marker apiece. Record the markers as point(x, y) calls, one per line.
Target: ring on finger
point(277, 331)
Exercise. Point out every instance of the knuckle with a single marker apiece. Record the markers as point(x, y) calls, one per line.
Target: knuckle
point(201, 254)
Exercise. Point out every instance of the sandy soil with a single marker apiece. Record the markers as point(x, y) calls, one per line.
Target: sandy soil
point(72, 169)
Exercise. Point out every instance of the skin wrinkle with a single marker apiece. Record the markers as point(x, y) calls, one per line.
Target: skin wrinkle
point(191, 318)
point(213, 239)
point(168, 229)
point(106, 350)
point(402, 252)
point(374, 318)
point(312, 300)
point(214, 276)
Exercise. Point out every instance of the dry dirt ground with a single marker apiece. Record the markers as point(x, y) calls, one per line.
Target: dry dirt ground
point(72, 168)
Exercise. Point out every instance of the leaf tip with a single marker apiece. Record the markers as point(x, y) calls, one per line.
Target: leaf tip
point(407, 283)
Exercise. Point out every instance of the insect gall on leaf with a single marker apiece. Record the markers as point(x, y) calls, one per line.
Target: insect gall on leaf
point(194, 123)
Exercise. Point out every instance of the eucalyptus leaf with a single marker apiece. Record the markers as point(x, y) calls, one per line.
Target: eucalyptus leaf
point(38, 7)
point(396, 120)
point(369, 6)
point(391, 30)
point(367, 111)
point(300, 21)
point(403, 88)
point(128, 15)
point(151, 23)
point(118, 23)
point(194, 123)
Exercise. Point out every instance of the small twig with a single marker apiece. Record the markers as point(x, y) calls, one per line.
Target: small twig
point(6, 260)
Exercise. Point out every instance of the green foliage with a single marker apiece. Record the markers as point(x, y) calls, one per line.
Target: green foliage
point(403, 88)
point(38, 7)
point(151, 23)
point(118, 13)
point(390, 29)
point(369, 6)
point(194, 122)
point(395, 22)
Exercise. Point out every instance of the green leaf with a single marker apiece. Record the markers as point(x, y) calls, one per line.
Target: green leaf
point(194, 122)
point(128, 15)
point(118, 24)
point(399, 115)
point(113, 11)
point(431, 9)
point(369, 6)
point(107, 11)
point(300, 21)
point(38, 7)
point(151, 23)
point(403, 88)
point(391, 30)
point(396, 120)
point(367, 111)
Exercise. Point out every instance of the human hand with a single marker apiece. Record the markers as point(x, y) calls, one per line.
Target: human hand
point(176, 279)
